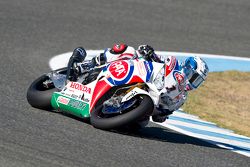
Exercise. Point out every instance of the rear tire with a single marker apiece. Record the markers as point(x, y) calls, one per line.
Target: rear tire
point(145, 107)
point(38, 96)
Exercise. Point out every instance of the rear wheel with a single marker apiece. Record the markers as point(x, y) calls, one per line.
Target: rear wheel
point(144, 106)
point(38, 95)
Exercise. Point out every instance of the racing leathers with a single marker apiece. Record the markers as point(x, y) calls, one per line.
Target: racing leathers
point(174, 93)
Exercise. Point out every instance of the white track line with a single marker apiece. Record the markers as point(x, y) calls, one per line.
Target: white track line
point(206, 137)
point(203, 55)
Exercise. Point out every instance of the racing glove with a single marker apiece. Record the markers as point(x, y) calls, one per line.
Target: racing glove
point(148, 53)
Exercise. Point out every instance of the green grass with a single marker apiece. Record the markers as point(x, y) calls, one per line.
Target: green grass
point(223, 99)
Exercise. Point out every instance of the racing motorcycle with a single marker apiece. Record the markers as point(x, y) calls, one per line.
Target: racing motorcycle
point(114, 95)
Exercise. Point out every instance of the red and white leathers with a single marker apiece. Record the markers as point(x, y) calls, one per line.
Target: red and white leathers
point(175, 83)
point(173, 91)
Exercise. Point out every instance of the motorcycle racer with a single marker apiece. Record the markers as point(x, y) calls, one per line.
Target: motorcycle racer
point(117, 52)
point(188, 75)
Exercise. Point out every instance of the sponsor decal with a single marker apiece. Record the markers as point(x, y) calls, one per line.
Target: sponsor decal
point(74, 96)
point(120, 72)
point(170, 64)
point(118, 69)
point(141, 68)
point(133, 93)
point(180, 79)
point(86, 100)
point(77, 104)
point(149, 68)
point(63, 100)
point(80, 87)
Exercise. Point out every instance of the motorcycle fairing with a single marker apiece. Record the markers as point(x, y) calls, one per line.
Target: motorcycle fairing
point(128, 72)
point(170, 65)
point(120, 73)
point(69, 104)
point(100, 89)
point(80, 100)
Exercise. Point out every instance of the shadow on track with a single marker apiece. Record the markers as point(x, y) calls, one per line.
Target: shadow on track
point(161, 134)
point(165, 135)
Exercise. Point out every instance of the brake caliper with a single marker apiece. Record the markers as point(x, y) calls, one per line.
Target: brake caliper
point(114, 105)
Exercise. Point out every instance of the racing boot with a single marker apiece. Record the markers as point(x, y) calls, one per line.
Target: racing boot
point(78, 56)
point(162, 115)
point(159, 118)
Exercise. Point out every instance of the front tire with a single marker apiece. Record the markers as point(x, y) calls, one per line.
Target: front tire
point(145, 107)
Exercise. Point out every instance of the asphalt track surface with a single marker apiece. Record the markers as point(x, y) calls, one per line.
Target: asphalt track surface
point(31, 32)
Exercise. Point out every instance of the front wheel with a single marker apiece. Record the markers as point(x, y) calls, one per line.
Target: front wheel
point(144, 106)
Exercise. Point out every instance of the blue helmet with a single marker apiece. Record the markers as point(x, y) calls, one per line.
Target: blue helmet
point(196, 71)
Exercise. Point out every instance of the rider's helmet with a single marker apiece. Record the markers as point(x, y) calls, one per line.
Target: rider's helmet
point(119, 52)
point(196, 71)
point(118, 48)
point(109, 54)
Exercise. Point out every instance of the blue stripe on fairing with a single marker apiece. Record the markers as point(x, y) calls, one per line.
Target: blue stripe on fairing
point(177, 67)
point(128, 77)
point(213, 134)
point(149, 67)
point(171, 117)
point(111, 81)
point(215, 64)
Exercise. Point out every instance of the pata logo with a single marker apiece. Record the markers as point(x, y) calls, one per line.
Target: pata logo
point(119, 69)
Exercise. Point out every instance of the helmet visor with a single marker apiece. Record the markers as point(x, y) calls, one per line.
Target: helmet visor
point(196, 80)
point(188, 71)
